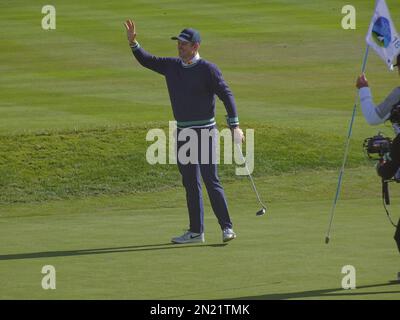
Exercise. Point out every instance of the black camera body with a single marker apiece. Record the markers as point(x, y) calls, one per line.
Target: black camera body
point(377, 145)
point(380, 145)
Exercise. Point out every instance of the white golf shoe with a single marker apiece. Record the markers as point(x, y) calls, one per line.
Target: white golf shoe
point(189, 237)
point(228, 235)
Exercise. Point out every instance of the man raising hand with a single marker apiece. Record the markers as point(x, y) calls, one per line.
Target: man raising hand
point(192, 84)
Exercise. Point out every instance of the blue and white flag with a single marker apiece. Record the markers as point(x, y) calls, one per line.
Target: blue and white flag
point(382, 35)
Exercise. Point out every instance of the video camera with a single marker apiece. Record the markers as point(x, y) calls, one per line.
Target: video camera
point(377, 145)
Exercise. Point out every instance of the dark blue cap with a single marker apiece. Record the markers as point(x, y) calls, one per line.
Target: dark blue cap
point(188, 34)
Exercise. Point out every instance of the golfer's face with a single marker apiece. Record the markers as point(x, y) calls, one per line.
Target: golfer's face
point(185, 49)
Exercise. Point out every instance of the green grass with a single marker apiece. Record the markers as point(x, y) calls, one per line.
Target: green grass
point(111, 248)
point(278, 57)
point(57, 165)
point(77, 193)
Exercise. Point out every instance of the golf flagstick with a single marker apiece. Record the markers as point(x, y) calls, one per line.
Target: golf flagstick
point(327, 238)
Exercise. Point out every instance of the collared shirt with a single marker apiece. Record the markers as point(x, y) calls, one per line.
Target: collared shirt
point(192, 62)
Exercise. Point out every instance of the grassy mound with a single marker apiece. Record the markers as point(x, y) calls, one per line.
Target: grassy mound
point(56, 165)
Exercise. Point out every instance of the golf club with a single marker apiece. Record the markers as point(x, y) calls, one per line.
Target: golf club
point(264, 207)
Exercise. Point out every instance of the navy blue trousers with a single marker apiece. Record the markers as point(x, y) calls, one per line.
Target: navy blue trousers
point(191, 179)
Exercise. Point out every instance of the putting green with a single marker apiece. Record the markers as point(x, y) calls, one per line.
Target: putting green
point(118, 248)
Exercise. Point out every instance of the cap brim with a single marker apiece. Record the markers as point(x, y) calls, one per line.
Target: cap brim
point(179, 38)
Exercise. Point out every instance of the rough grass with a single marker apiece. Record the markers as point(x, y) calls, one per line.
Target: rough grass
point(57, 165)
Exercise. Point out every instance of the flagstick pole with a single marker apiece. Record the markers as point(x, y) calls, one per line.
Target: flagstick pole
point(346, 152)
point(364, 64)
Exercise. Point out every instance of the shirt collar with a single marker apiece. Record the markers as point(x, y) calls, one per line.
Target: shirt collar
point(194, 60)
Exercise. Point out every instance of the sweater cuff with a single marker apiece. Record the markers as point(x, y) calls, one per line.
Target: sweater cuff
point(232, 122)
point(365, 93)
point(135, 46)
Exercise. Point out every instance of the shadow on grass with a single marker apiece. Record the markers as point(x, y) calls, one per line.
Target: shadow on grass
point(325, 293)
point(148, 247)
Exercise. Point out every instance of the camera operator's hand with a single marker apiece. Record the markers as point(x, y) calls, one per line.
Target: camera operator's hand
point(362, 82)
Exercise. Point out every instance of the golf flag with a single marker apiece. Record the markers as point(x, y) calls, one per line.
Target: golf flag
point(382, 35)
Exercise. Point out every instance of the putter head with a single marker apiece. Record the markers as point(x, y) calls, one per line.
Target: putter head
point(261, 212)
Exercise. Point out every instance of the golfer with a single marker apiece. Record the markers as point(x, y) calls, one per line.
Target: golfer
point(192, 84)
point(379, 114)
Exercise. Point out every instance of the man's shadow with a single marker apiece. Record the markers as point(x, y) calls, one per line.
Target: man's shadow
point(328, 293)
point(67, 253)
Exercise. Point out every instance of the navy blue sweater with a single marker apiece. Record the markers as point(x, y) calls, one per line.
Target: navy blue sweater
point(192, 88)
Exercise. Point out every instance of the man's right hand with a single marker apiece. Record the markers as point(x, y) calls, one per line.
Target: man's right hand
point(362, 82)
point(130, 31)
